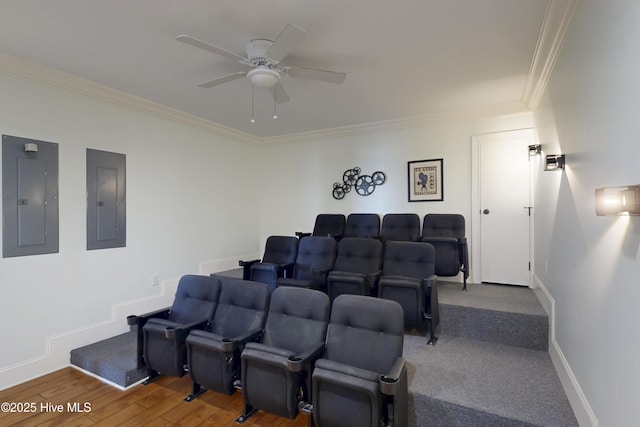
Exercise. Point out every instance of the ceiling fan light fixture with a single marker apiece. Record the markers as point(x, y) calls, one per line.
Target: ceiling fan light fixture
point(263, 77)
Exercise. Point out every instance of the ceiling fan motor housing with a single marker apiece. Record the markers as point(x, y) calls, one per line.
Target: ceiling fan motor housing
point(257, 53)
point(264, 75)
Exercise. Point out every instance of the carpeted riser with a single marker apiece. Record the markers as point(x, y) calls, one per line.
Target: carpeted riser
point(500, 327)
point(113, 359)
point(425, 411)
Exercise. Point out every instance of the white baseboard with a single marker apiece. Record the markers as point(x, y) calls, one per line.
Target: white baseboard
point(58, 347)
point(106, 381)
point(581, 408)
point(215, 266)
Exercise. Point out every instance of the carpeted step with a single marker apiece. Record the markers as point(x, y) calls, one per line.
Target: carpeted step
point(463, 382)
point(113, 360)
point(509, 315)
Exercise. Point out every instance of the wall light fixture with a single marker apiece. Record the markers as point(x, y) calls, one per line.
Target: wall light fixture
point(535, 149)
point(618, 200)
point(554, 162)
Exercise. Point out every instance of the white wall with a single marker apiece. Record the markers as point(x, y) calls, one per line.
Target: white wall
point(191, 199)
point(590, 265)
point(298, 175)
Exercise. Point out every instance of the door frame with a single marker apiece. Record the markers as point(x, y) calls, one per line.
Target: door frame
point(475, 200)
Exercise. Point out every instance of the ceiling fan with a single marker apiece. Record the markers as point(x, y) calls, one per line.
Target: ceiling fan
point(263, 57)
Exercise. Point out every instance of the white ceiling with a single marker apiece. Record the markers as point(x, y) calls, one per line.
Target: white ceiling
point(403, 58)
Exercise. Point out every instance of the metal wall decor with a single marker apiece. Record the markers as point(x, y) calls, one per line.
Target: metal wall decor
point(364, 184)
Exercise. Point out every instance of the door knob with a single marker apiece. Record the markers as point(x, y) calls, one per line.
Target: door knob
point(486, 211)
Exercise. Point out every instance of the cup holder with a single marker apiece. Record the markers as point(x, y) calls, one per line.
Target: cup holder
point(170, 332)
point(294, 363)
point(388, 386)
point(228, 345)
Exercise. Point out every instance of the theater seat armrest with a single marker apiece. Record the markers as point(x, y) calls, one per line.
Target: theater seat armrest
point(297, 362)
point(448, 240)
point(429, 282)
point(389, 382)
point(183, 329)
point(246, 268)
point(288, 269)
point(374, 277)
point(231, 344)
point(142, 318)
point(268, 266)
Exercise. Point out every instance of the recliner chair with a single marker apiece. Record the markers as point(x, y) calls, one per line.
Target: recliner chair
point(276, 372)
point(446, 232)
point(162, 333)
point(408, 277)
point(361, 381)
point(315, 259)
point(357, 267)
point(362, 225)
point(327, 225)
point(278, 259)
point(400, 227)
point(213, 355)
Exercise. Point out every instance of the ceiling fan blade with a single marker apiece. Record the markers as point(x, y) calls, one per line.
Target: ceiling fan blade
point(211, 48)
point(279, 94)
point(286, 41)
point(223, 79)
point(311, 74)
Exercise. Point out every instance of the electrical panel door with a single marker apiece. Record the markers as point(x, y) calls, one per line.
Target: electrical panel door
point(106, 200)
point(29, 197)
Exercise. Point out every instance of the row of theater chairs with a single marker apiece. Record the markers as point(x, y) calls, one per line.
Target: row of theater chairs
point(445, 231)
point(288, 351)
point(399, 271)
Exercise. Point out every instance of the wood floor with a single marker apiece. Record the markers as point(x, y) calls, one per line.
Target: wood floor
point(158, 404)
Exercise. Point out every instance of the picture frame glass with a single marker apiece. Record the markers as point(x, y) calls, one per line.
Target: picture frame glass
point(425, 180)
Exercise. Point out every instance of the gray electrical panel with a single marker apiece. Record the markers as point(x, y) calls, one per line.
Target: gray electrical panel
point(106, 200)
point(29, 197)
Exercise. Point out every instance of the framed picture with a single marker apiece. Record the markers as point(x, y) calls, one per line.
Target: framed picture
point(425, 181)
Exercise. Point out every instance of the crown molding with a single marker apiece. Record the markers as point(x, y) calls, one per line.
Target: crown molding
point(554, 27)
point(22, 68)
point(403, 123)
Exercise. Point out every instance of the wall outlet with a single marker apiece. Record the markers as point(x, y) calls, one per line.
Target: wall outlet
point(155, 280)
point(546, 267)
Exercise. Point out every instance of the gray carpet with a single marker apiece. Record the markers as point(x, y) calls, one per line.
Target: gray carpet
point(508, 315)
point(464, 382)
point(113, 359)
point(513, 299)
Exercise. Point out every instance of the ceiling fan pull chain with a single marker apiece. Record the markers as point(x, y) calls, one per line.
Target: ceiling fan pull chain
point(253, 119)
point(275, 104)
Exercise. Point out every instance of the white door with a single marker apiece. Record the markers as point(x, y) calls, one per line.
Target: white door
point(505, 207)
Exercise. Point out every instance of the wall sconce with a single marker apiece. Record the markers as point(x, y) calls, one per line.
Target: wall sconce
point(554, 162)
point(618, 200)
point(534, 150)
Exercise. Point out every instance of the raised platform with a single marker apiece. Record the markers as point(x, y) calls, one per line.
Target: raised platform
point(490, 366)
point(113, 360)
point(509, 315)
point(464, 382)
